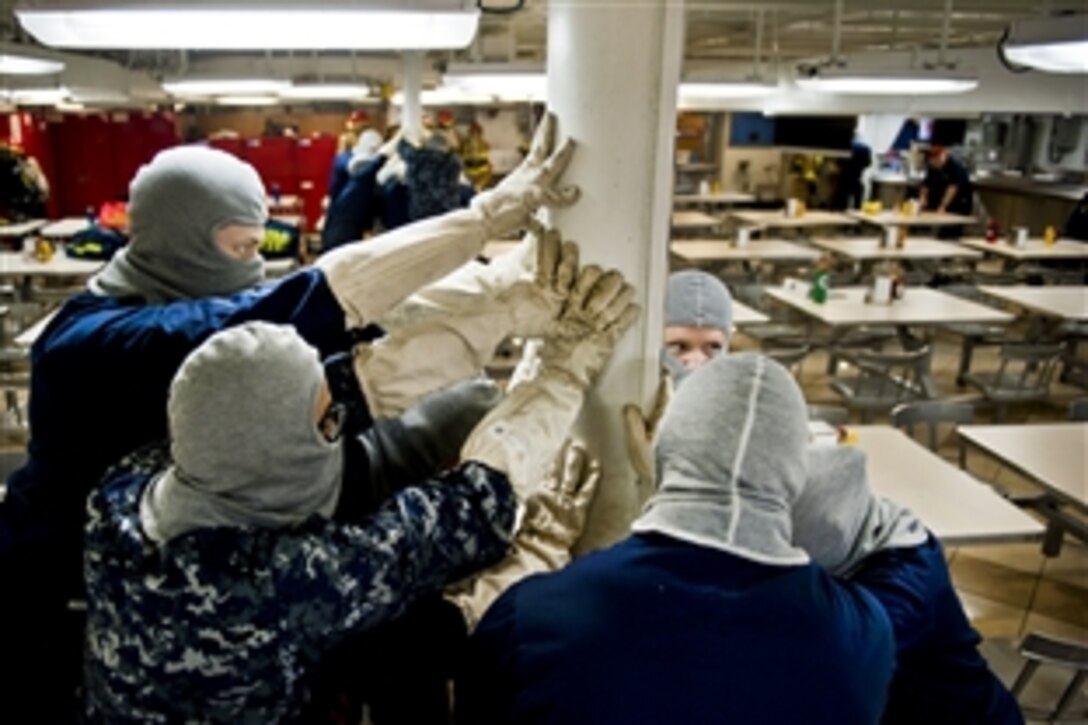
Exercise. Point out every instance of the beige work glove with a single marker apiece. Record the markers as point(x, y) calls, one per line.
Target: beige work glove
point(533, 184)
point(521, 292)
point(450, 330)
point(553, 518)
point(525, 431)
point(368, 278)
point(601, 306)
point(639, 431)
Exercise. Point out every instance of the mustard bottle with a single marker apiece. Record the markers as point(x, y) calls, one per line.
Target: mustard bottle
point(1050, 234)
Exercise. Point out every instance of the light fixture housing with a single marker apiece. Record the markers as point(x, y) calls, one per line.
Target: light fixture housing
point(1056, 45)
point(246, 100)
point(196, 87)
point(21, 60)
point(508, 82)
point(251, 24)
point(446, 96)
point(325, 92)
point(39, 96)
point(886, 82)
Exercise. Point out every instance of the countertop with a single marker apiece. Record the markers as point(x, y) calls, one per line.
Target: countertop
point(1018, 185)
point(998, 182)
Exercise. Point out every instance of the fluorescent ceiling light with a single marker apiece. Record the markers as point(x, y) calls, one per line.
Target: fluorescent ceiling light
point(325, 91)
point(229, 86)
point(725, 89)
point(1057, 45)
point(258, 28)
point(17, 64)
point(38, 96)
point(889, 82)
point(504, 82)
point(247, 100)
point(1052, 57)
point(69, 106)
point(446, 96)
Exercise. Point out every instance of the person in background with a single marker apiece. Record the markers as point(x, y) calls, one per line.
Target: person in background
point(236, 524)
point(103, 366)
point(940, 677)
point(698, 325)
point(698, 318)
point(1076, 227)
point(849, 189)
point(348, 162)
point(946, 188)
point(707, 610)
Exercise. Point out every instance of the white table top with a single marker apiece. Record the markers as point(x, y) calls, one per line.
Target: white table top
point(952, 504)
point(1033, 249)
point(693, 220)
point(745, 315)
point(915, 248)
point(279, 267)
point(1055, 455)
point(1068, 303)
point(777, 219)
point(27, 337)
point(21, 229)
point(15, 264)
point(922, 219)
point(721, 197)
point(702, 250)
point(65, 228)
point(919, 306)
point(295, 220)
point(287, 201)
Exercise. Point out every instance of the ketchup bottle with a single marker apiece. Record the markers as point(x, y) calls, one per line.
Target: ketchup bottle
point(991, 231)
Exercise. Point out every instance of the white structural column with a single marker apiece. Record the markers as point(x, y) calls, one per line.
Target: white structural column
point(613, 69)
point(412, 84)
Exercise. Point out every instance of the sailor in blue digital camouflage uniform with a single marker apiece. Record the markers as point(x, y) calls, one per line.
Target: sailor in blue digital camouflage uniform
point(103, 365)
point(215, 577)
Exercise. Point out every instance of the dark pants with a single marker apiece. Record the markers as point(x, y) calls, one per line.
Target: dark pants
point(401, 670)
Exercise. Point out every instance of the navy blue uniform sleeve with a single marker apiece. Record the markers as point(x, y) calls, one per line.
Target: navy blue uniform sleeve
point(352, 211)
point(902, 580)
point(338, 176)
point(349, 578)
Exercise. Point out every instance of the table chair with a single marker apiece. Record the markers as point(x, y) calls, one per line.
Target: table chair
point(972, 334)
point(883, 380)
point(931, 413)
point(1023, 376)
point(791, 358)
point(830, 414)
point(1040, 649)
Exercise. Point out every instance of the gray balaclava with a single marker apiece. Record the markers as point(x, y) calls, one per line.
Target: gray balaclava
point(730, 458)
point(838, 519)
point(246, 449)
point(698, 299)
point(176, 203)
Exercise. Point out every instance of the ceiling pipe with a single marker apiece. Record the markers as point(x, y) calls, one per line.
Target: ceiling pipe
point(946, 29)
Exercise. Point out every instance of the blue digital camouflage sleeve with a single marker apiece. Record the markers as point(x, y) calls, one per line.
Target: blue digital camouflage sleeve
point(345, 578)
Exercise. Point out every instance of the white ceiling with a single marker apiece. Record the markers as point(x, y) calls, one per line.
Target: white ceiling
point(721, 35)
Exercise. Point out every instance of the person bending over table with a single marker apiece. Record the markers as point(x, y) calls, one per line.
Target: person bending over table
point(940, 676)
point(946, 188)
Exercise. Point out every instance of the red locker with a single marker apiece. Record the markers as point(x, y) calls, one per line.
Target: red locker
point(230, 145)
point(85, 162)
point(137, 138)
point(315, 157)
point(275, 159)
